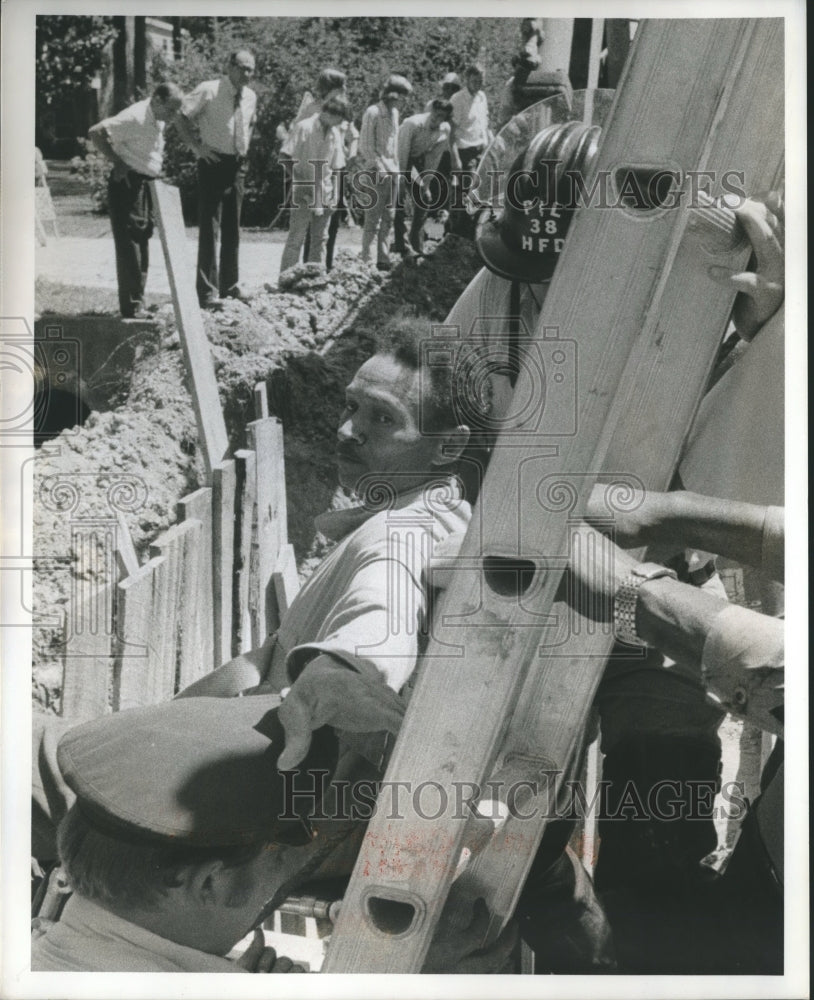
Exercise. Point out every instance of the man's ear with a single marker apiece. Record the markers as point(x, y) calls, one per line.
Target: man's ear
point(209, 884)
point(451, 445)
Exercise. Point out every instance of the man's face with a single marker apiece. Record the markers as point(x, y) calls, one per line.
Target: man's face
point(436, 119)
point(474, 82)
point(394, 100)
point(241, 70)
point(379, 439)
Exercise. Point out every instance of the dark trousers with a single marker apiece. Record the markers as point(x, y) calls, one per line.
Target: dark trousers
point(460, 222)
point(339, 213)
point(220, 195)
point(131, 219)
point(559, 915)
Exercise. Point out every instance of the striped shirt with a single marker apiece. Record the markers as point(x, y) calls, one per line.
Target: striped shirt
point(137, 137)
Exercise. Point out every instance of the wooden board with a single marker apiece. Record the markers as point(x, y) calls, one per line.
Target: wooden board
point(266, 439)
point(197, 634)
point(86, 671)
point(138, 673)
point(607, 299)
point(285, 579)
point(181, 270)
point(244, 503)
point(224, 481)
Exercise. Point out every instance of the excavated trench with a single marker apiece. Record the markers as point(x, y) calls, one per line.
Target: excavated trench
point(114, 415)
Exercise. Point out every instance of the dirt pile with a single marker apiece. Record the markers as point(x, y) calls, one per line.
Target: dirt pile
point(303, 339)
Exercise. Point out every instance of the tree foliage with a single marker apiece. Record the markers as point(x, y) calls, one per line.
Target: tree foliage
point(70, 52)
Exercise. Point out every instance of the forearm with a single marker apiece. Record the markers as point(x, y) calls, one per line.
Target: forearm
point(729, 528)
point(676, 618)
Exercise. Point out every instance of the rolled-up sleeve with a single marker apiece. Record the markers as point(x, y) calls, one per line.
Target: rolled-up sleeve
point(742, 666)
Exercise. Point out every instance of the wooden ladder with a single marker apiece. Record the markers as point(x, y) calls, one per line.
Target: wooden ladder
point(634, 321)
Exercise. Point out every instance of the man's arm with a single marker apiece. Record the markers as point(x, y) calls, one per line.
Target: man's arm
point(736, 652)
point(98, 135)
point(749, 533)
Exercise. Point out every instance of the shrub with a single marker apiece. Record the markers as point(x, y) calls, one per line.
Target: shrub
point(94, 169)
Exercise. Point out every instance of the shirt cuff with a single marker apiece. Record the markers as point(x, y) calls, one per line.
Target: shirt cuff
point(742, 663)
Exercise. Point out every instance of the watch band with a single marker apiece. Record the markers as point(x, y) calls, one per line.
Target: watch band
point(627, 596)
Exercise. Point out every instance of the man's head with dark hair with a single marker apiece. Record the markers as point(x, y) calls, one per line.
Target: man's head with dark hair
point(330, 79)
point(441, 110)
point(395, 89)
point(240, 68)
point(166, 101)
point(403, 422)
point(336, 107)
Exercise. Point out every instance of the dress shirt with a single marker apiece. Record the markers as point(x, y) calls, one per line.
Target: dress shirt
point(137, 138)
point(223, 124)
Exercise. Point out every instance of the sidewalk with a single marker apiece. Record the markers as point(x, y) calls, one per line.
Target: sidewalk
point(73, 260)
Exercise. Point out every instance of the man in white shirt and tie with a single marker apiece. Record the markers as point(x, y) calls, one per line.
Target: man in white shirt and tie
point(133, 141)
point(223, 112)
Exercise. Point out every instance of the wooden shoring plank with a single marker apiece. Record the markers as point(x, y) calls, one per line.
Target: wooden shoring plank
point(245, 500)
point(86, 671)
point(197, 633)
point(169, 614)
point(208, 414)
point(607, 297)
point(286, 581)
point(224, 513)
point(266, 439)
point(136, 674)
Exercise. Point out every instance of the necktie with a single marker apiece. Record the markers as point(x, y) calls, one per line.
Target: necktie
point(238, 124)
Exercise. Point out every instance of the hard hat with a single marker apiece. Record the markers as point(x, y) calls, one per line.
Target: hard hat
point(524, 241)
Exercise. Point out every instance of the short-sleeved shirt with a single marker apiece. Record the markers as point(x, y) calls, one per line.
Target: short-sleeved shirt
point(316, 152)
point(366, 603)
point(89, 938)
point(137, 138)
point(420, 145)
point(223, 124)
point(378, 138)
point(470, 116)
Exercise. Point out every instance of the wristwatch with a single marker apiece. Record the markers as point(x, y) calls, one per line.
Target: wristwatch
point(626, 596)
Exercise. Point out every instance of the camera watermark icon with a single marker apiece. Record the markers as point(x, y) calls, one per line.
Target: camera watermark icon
point(50, 365)
point(506, 381)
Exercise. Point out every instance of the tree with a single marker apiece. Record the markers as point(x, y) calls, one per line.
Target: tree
point(70, 53)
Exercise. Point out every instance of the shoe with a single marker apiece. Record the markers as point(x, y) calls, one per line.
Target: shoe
point(212, 305)
point(236, 292)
